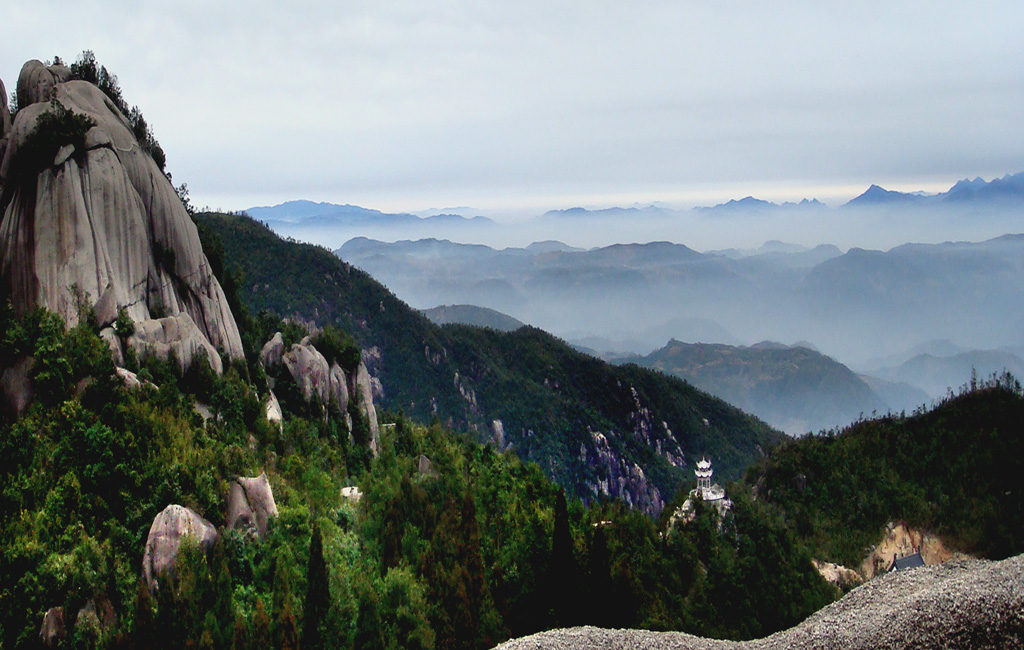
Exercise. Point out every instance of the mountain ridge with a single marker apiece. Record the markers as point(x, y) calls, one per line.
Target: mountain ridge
point(525, 390)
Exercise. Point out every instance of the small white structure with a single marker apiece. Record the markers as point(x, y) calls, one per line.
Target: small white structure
point(352, 494)
point(711, 493)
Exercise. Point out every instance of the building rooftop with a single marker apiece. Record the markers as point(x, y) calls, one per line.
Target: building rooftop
point(911, 561)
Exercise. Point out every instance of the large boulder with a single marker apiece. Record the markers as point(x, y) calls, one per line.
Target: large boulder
point(176, 335)
point(361, 385)
point(250, 504)
point(316, 378)
point(37, 81)
point(95, 618)
point(273, 410)
point(52, 630)
point(101, 224)
point(169, 529)
point(324, 382)
point(339, 387)
point(16, 387)
point(310, 371)
point(273, 351)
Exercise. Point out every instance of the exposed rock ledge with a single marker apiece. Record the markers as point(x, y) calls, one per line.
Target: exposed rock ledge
point(969, 604)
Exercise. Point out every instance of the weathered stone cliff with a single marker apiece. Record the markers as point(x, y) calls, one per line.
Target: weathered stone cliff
point(101, 223)
point(322, 382)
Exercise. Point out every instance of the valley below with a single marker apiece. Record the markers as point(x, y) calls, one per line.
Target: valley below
point(216, 436)
point(806, 339)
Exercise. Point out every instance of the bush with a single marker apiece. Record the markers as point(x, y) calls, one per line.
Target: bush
point(86, 68)
point(55, 128)
point(338, 347)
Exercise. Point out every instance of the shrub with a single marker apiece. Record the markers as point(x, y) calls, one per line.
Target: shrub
point(54, 128)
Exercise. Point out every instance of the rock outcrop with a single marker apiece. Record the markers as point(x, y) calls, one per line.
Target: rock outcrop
point(310, 371)
point(103, 225)
point(52, 631)
point(901, 540)
point(176, 337)
point(324, 382)
point(250, 505)
point(968, 605)
point(618, 477)
point(273, 410)
point(273, 351)
point(360, 385)
point(169, 529)
point(837, 574)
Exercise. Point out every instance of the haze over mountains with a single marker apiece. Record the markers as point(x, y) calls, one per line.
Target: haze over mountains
point(970, 210)
point(856, 306)
point(873, 309)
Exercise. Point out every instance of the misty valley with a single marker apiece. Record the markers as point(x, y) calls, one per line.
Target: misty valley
point(875, 330)
point(314, 426)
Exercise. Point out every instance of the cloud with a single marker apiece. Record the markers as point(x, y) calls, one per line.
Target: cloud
point(385, 101)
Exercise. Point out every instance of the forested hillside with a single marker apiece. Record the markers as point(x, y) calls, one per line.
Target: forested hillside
point(595, 428)
point(452, 545)
point(793, 388)
point(954, 470)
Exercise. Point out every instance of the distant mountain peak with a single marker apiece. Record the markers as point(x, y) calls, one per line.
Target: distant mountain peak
point(878, 195)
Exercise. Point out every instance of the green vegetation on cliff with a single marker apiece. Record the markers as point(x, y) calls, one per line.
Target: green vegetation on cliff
point(453, 545)
point(954, 470)
point(548, 398)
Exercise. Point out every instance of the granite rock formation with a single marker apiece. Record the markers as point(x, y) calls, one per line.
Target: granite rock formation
point(251, 504)
point(101, 226)
point(169, 529)
point(323, 382)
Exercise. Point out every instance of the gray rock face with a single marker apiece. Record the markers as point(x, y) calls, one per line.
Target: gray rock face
point(339, 387)
point(620, 478)
point(364, 388)
point(251, 504)
point(169, 528)
point(273, 351)
point(956, 606)
point(177, 335)
point(52, 631)
point(105, 222)
point(17, 387)
point(310, 371)
point(37, 81)
point(323, 382)
point(273, 409)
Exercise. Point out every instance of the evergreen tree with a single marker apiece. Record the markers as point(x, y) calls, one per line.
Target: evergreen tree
point(600, 578)
point(563, 575)
point(318, 597)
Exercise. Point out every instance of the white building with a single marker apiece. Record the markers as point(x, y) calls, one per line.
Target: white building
point(711, 493)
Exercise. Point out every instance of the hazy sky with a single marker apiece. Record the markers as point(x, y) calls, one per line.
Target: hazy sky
point(542, 104)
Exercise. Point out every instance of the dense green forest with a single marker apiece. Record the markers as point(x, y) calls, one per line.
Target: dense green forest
point(460, 539)
point(549, 397)
point(460, 551)
point(954, 470)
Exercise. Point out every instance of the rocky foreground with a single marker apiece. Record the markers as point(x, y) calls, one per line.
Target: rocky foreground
point(969, 604)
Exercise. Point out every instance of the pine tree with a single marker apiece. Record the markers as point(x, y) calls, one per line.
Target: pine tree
point(318, 597)
point(563, 576)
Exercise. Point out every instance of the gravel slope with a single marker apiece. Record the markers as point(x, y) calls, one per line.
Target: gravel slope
point(971, 604)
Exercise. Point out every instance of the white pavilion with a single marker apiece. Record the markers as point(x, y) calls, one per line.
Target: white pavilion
point(711, 493)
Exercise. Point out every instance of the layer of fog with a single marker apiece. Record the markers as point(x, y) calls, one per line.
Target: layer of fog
point(703, 229)
point(859, 306)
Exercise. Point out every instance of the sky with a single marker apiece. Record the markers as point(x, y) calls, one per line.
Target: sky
point(520, 107)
